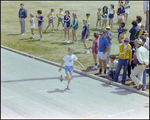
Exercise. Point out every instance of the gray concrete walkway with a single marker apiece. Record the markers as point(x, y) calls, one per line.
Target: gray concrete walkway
point(31, 89)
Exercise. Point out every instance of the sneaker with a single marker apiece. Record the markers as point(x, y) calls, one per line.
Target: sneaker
point(98, 73)
point(31, 38)
point(68, 87)
point(104, 75)
point(76, 42)
point(23, 34)
point(95, 28)
point(87, 52)
point(99, 28)
point(40, 39)
point(94, 68)
point(84, 51)
point(140, 86)
point(67, 41)
point(53, 32)
point(128, 78)
point(45, 30)
point(57, 28)
point(61, 78)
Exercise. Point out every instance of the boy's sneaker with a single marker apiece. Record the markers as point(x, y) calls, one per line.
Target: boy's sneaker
point(61, 78)
point(94, 68)
point(104, 75)
point(68, 87)
point(87, 52)
point(67, 41)
point(95, 28)
point(45, 30)
point(40, 39)
point(53, 32)
point(84, 51)
point(98, 73)
point(99, 28)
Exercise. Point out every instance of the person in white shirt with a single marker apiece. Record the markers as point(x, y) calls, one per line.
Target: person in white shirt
point(68, 60)
point(32, 25)
point(112, 66)
point(142, 59)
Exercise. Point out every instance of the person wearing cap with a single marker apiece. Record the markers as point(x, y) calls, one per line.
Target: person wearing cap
point(22, 18)
point(109, 37)
point(125, 58)
point(142, 59)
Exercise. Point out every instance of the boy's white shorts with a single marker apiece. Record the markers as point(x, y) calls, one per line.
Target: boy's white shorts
point(102, 56)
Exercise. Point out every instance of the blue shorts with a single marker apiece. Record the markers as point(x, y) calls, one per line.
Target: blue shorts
point(39, 25)
point(84, 35)
point(111, 16)
point(50, 21)
point(69, 69)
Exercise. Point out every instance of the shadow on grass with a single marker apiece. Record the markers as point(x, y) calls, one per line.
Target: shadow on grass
point(13, 34)
point(87, 69)
point(32, 40)
point(24, 39)
point(77, 52)
point(60, 43)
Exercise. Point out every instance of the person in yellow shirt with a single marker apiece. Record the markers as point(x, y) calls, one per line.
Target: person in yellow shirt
point(50, 20)
point(88, 23)
point(125, 58)
point(60, 16)
point(99, 17)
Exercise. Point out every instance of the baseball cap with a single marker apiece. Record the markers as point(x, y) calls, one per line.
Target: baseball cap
point(139, 41)
point(108, 27)
point(126, 39)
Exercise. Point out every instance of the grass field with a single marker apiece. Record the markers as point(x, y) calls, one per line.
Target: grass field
point(52, 48)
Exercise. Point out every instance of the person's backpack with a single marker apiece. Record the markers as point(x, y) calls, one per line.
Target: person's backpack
point(137, 34)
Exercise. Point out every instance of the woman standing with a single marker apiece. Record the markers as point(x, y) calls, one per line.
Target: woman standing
point(121, 13)
point(111, 15)
point(127, 6)
point(104, 15)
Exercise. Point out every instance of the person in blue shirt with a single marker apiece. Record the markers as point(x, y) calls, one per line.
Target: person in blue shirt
point(102, 52)
point(40, 19)
point(120, 29)
point(22, 18)
point(85, 33)
point(121, 13)
point(132, 31)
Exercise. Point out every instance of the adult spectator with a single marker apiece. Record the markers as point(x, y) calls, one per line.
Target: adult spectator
point(102, 52)
point(109, 37)
point(138, 20)
point(142, 59)
point(125, 58)
point(121, 13)
point(146, 10)
point(132, 31)
point(22, 18)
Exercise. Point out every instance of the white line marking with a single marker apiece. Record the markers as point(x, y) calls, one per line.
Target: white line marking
point(120, 113)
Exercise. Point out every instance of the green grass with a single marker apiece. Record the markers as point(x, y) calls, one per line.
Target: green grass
point(52, 47)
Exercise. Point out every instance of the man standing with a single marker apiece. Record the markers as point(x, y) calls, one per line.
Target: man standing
point(142, 59)
point(22, 18)
point(109, 37)
point(102, 52)
point(146, 10)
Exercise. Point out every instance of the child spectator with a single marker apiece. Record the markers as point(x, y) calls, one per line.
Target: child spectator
point(60, 16)
point(112, 66)
point(32, 25)
point(102, 52)
point(119, 2)
point(74, 27)
point(120, 29)
point(88, 23)
point(104, 16)
point(139, 19)
point(85, 33)
point(40, 19)
point(121, 13)
point(95, 50)
point(132, 31)
point(66, 25)
point(99, 17)
point(122, 35)
point(50, 20)
point(139, 32)
point(68, 60)
point(111, 15)
point(125, 58)
point(127, 7)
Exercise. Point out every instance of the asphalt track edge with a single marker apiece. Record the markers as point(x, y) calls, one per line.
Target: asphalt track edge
point(82, 73)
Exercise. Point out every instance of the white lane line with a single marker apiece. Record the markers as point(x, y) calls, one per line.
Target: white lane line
point(120, 113)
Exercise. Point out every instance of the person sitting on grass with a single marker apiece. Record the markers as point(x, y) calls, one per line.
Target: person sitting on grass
point(68, 60)
point(85, 33)
point(95, 50)
point(112, 66)
point(125, 58)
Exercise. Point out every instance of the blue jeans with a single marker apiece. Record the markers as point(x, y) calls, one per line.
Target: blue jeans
point(144, 80)
point(111, 73)
point(121, 62)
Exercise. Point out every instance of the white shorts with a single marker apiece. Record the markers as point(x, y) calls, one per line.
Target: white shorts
point(121, 17)
point(32, 26)
point(127, 11)
point(102, 56)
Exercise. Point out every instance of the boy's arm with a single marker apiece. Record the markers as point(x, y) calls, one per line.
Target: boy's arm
point(80, 64)
point(57, 15)
point(61, 65)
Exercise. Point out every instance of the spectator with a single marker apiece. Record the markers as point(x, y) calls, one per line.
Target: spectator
point(109, 37)
point(111, 15)
point(147, 39)
point(132, 31)
point(104, 16)
point(146, 11)
point(112, 66)
point(127, 6)
point(142, 59)
point(120, 29)
point(138, 20)
point(121, 13)
point(102, 52)
point(125, 58)
point(22, 18)
point(122, 35)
